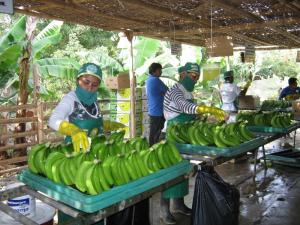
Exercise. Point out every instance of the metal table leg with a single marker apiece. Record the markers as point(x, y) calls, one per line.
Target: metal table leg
point(255, 159)
point(155, 201)
point(295, 138)
point(264, 156)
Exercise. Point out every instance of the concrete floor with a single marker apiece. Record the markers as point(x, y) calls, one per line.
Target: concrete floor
point(274, 197)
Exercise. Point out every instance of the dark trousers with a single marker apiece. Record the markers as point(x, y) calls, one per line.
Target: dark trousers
point(156, 125)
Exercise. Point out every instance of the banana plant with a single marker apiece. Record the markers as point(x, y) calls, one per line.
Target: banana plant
point(20, 48)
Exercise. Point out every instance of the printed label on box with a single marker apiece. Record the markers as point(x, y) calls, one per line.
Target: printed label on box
point(124, 94)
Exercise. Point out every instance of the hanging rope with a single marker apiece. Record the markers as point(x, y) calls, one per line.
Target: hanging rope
point(211, 31)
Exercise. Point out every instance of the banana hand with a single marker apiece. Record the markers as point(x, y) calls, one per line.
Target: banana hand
point(79, 137)
point(112, 125)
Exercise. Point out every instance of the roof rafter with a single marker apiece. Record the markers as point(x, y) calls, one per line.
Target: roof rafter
point(234, 8)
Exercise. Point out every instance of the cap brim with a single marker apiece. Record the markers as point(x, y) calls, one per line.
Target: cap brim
point(91, 74)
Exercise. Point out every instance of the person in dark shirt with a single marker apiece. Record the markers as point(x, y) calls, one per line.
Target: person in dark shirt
point(291, 92)
point(156, 90)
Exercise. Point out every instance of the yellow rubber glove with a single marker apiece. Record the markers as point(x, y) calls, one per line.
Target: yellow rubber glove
point(79, 137)
point(109, 125)
point(218, 113)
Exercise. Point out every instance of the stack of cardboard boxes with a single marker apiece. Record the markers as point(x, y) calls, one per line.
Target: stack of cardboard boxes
point(120, 109)
point(146, 118)
point(119, 104)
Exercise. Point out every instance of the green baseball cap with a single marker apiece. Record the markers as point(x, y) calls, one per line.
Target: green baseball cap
point(90, 69)
point(192, 67)
point(228, 74)
point(181, 69)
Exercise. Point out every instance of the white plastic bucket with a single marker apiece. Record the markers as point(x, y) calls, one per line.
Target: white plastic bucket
point(44, 215)
point(24, 204)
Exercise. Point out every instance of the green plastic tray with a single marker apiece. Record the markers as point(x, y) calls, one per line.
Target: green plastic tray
point(263, 129)
point(290, 157)
point(223, 152)
point(90, 203)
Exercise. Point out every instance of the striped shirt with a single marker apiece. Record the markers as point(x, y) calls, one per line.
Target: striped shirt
point(178, 100)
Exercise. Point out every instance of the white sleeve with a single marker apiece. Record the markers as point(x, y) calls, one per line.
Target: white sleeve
point(237, 90)
point(61, 111)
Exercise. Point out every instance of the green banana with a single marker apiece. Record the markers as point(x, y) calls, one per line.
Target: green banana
point(80, 178)
point(123, 170)
point(31, 157)
point(107, 169)
point(90, 180)
point(51, 159)
point(154, 162)
point(103, 181)
point(56, 170)
point(218, 142)
point(147, 162)
point(174, 152)
point(245, 132)
point(161, 157)
point(140, 164)
point(65, 173)
point(130, 169)
point(40, 160)
point(134, 163)
point(115, 171)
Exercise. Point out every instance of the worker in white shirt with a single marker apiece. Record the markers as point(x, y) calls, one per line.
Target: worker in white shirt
point(229, 93)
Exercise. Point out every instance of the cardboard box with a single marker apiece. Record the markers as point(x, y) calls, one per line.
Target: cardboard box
point(124, 94)
point(146, 118)
point(145, 105)
point(296, 106)
point(248, 102)
point(124, 118)
point(144, 93)
point(119, 82)
point(124, 107)
point(104, 105)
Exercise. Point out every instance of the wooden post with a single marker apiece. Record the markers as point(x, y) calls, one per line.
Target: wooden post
point(132, 127)
point(39, 104)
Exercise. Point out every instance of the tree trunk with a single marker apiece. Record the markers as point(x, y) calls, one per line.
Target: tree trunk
point(24, 71)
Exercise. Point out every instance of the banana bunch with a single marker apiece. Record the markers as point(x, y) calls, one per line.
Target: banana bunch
point(209, 134)
point(109, 163)
point(232, 134)
point(95, 176)
point(281, 121)
point(272, 104)
point(37, 158)
point(272, 119)
point(117, 136)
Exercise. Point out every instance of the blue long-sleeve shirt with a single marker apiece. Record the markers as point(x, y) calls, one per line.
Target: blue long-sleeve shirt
point(156, 90)
point(288, 91)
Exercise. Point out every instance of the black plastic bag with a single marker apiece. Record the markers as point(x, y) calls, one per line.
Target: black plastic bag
point(215, 202)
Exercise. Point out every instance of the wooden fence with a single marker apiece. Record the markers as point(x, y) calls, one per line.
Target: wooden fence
point(14, 144)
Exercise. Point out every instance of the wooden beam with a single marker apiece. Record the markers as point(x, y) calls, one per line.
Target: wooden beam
point(237, 10)
point(245, 26)
point(89, 12)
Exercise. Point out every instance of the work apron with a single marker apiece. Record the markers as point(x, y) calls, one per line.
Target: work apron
point(182, 189)
point(93, 125)
point(231, 109)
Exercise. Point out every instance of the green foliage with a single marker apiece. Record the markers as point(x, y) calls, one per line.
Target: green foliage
point(14, 35)
point(278, 66)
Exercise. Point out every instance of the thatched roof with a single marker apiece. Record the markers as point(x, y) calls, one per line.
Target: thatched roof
point(255, 22)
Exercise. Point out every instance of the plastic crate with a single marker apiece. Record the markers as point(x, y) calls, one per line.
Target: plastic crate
point(289, 157)
point(264, 129)
point(93, 203)
point(224, 152)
